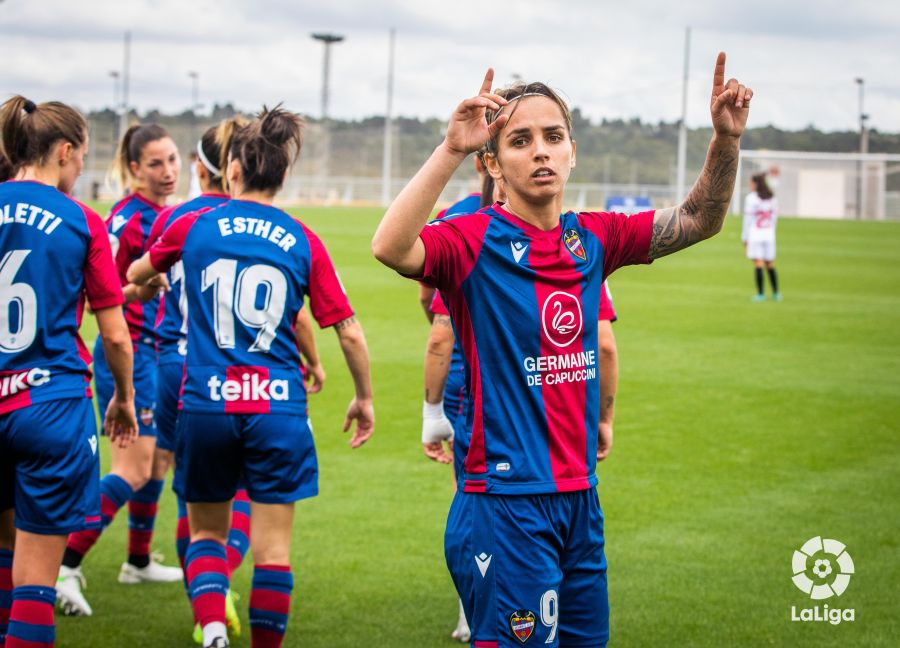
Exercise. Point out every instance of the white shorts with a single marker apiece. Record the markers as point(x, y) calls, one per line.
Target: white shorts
point(764, 250)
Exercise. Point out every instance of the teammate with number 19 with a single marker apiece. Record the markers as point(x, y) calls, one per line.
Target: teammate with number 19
point(248, 267)
point(524, 540)
point(54, 252)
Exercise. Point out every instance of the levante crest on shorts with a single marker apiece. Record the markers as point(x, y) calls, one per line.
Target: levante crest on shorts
point(521, 622)
point(573, 242)
point(146, 416)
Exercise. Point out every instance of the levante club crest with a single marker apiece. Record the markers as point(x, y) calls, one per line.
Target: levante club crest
point(573, 242)
point(521, 622)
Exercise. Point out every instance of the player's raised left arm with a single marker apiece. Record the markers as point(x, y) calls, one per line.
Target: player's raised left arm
point(702, 213)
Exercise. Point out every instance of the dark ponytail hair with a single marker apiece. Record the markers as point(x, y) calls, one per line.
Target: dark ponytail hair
point(130, 149)
point(266, 148)
point(30, 131)
point(487, 190)
point(762, 187)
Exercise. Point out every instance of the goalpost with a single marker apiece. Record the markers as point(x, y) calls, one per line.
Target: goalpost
point(825, 185)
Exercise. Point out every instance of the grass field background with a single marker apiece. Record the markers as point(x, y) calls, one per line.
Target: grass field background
point(742, 430)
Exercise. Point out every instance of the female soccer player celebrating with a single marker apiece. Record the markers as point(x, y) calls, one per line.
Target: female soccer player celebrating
point(524, 540)
point(54, 251)
point(248, 267)
point(148, 164)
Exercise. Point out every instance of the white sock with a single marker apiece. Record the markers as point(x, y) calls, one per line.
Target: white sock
point(213, 630)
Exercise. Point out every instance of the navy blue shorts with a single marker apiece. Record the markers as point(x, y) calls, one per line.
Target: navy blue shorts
point(168, 388)
point(144, 376)
point(271, 455)
point(530, 568)
point(50, 466)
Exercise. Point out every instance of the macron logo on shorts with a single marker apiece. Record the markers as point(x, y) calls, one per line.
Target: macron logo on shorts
point(483, 561)
point(247, 390)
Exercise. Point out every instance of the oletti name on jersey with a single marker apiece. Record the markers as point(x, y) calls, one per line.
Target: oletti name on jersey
point(31, 215)
point(15, 382)
point(247, 385)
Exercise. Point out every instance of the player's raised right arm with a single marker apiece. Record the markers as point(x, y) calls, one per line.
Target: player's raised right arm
point(396, 242)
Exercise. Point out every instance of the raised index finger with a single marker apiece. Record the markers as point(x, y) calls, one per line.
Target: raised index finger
point(719, 75)
point(488, 82)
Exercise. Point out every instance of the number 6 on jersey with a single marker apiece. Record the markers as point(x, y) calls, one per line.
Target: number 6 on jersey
point(242, 295)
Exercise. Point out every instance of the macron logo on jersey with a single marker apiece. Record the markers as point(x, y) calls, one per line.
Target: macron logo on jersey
point(518, 249)
point(118, 222)
point(247, 389)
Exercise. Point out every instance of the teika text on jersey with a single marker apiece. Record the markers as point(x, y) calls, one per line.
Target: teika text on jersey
point(257, 227)
point(30, 215)
point(250, 387)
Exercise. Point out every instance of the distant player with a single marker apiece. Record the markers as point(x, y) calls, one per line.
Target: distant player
point(148, 164)
point(54, 252)
point(248, 267)
point(758, 234)
point(524, 540)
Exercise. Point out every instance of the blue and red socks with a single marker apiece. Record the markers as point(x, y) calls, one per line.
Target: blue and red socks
point(114, 492)
point(142, 509)
point(239, 534)
point(31, 623)
point(6, 558)
point(270, 604)
point(206, 567)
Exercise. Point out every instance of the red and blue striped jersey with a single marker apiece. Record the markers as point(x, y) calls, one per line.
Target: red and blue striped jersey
point(129, 226)
point(171, 317)
point(518, 296)
point(248, 268)
point(54, 251)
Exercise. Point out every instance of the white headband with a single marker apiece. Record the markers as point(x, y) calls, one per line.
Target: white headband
point(209, 165)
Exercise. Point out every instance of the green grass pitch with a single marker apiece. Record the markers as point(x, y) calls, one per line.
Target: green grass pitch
point(742, 430)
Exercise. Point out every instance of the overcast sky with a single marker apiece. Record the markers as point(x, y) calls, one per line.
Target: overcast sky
point(611, 59)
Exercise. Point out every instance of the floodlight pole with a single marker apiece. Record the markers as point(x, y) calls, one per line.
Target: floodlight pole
point(126, 65)
point(328, 40)
point(195, 105)
point(387, 156)
point(682, 127)
point(863, 149)
point(115, 107)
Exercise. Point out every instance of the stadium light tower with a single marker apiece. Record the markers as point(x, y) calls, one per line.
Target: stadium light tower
point(195, 105)
point(328, 40)
point(863, 148)
point(115, 107)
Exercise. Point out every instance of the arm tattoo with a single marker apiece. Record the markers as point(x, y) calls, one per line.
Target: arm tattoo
point(441, 320)
point(344, 323)
point(703, 211)
point(609, 401)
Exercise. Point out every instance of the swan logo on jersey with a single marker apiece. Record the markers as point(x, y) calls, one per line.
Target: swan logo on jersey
point(521, 622)
point(573, 242)
point(561, 318)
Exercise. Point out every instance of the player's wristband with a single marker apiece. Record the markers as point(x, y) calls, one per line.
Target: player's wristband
point(435, 426)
